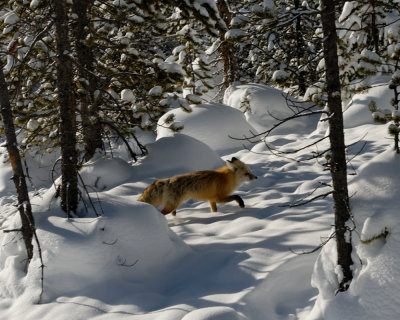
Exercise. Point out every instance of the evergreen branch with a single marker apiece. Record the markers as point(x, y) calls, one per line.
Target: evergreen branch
point(382, 235)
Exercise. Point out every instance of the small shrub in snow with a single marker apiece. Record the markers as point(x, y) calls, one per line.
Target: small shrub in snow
point(234, 35)
point(156, 91)
point(395, 79)
point(381, 235)
point(396, 115)
point(372, 106)
point(393, 129)
point(280, 77)
point(378, 116)
point(192, 98)
point(245, 103)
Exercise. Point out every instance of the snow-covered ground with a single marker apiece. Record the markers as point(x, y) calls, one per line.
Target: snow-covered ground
point(134, 263)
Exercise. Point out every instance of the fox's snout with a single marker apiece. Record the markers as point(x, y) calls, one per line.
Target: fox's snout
point(241, 170)
point(252, 176)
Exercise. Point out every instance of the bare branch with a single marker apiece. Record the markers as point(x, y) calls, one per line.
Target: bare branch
point(303, 113)
point(298, 204)
point(122, 262)
point(12, 230)
point(114, 128)
point(88, 195)
point(111, 243)
point(320, 246)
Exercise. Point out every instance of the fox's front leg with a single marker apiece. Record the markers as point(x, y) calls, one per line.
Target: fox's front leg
point(213, 206)
point(238, 199)
point(234, 197)
point(169, 208)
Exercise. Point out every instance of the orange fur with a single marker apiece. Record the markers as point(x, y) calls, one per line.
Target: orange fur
point(214, 186)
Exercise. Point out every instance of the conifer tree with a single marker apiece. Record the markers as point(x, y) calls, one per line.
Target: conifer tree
point(67, 106)
point(370, 46)
point(90, 122)
point(338, 164)
point(366, 29)
point(227, 48)
point(18, 176)
point(190, 55)
point(280, 45)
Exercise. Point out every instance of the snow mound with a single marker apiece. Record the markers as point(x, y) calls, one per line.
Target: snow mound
point(130, 244)
point(376, 181)
point(40, 165)
point(290, 293)
point(213, 124)
point(265, 106)
point(357, 112)
point(177, 154)
point(101, 173)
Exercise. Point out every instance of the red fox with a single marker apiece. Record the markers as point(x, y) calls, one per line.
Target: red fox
point(212, 185)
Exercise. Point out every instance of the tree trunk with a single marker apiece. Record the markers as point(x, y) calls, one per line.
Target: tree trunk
point(336, 136)
point(24, 205)
point(91, 126)
point(374, 27)
point(227, 49)
point(300, 50)
point(67, 104)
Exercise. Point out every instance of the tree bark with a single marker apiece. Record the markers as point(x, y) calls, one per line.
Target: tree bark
point(374, 27)
point(91, 126)
point(300, 50)
point(67, 105)
point(227, 49)
point(336, 136)
point(24, 205)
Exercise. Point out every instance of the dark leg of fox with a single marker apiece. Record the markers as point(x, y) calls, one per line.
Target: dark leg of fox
point(166, 210)
point(174, 213)
point(234, 197)
point(169, 207)
point(213, 206)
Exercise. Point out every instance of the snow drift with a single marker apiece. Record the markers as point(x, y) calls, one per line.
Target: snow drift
point(213, 124)
point(264, 107)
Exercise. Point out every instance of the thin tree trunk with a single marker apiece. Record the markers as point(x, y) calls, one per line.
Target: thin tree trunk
point(91, 126)
point(300, 50)
point(227, 49)
point(24, 205)
point(374, 28)
point(336, 136)
point(67, 104)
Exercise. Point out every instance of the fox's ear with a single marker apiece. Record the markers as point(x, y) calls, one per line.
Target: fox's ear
point(234, 159)
point(230, 165)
